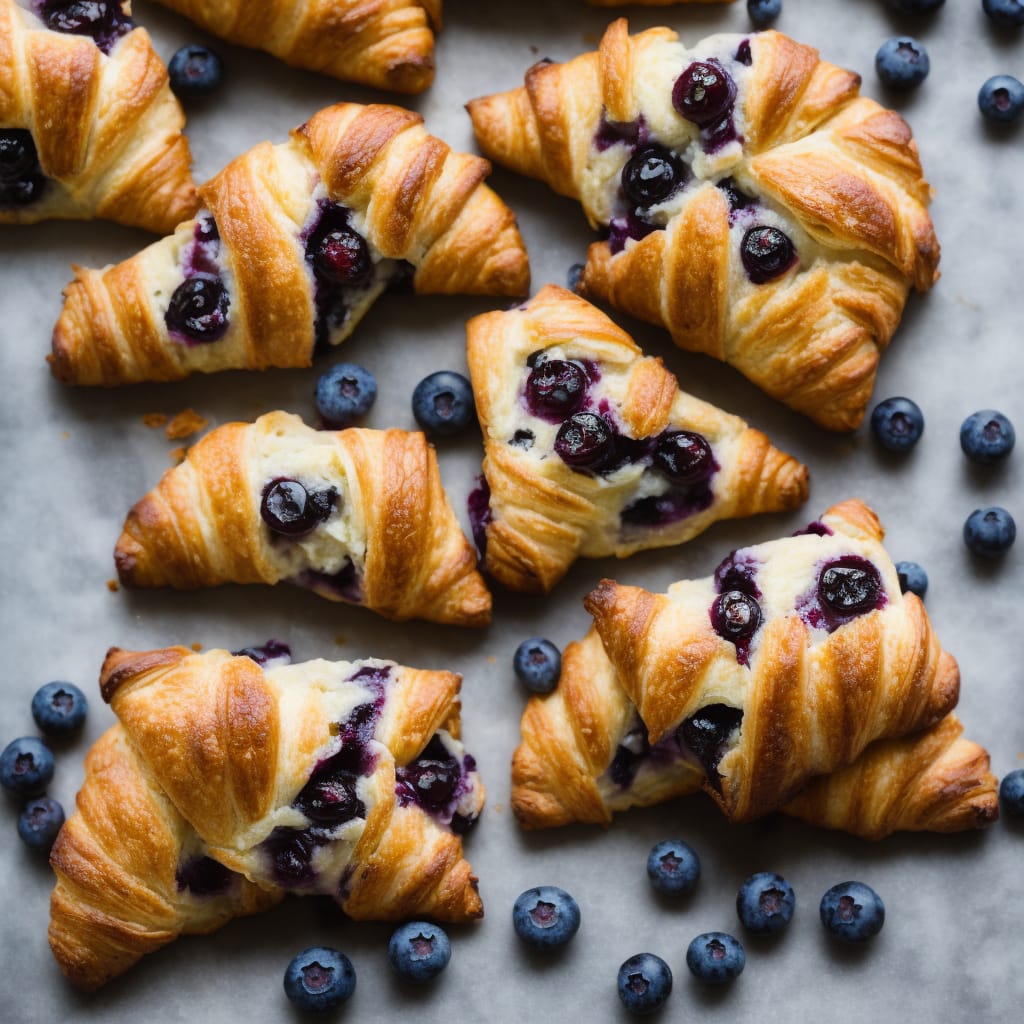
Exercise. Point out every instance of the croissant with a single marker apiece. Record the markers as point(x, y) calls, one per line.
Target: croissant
point(592, 449)
point(585, 754)
point(88, 124)
point(294, 244)
point(356, 515)
point(755, 205)
point(388, 44)
point(785, 664)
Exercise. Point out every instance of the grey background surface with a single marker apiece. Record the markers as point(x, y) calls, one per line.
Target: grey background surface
point(72, 462)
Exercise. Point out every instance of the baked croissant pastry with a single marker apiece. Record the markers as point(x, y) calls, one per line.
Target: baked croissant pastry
point(592, 449)
point(754, 204)
point(586, 754)
point(356, 515)
point(88, 124)
point(294, 244)
point(783, 665)
point(388, 44)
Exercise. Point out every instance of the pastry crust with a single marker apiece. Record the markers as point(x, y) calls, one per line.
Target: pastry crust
point(835, 172)
point(391, 542)
point(107, 128)
point(543, 513)
point(412, 200)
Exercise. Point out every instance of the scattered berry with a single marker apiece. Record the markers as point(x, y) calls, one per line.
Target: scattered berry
point(1005, 12)
point(902, 63)
point(765, 903)
point(897, 423)
point(916, 6)
point(852, 912)
point(763, 12)
point(344, 394)
point(645, 982)
point(26, 766)
point(716, 957)
point(195, 71)
point(443, 403)
point(987, 436)
point(1001, 98)
point(40, 822)
point(546, 917)
point(990, 532)
point(319, 979)
point(538, 664)
point(574, 276)
point(59, 708)
point(673, 867)
point(912, 577)
point(1011, 793)
point(419, 951)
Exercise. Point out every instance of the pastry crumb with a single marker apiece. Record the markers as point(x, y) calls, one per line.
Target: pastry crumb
point(154, 419)
point(197, 647)
point(112, 586)
point(185, 424)
point(497, 808)
point(491, 659)
point(341, 640)
point(65, 434)
point(177, 455)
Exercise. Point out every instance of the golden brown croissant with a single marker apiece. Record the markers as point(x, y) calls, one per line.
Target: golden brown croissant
point(356, 515)
point(592, 449)
point(783, 665)
point(88, 124)
point(388, 44)
point(295, 244)
point(756, 206)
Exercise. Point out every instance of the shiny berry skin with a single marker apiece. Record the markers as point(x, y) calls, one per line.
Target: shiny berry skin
point(40, 822)
point(289, 509)
point(990, 532)
point(735, 615)
point(344, 395)
point(419, 951)
point(897, 424)
point(765, 903)
point(913, 579)
point(1011, 793)
point(716, 958)
point(18, 155)
point(26, 766)
point(1001, 99)
point(556, 388)
point(329, 798)
point(1005, 12)
point(342, 257)
point(850, 586)
point(704, 92)
point(199, 308)
point(707, 734)
point(763, 12)
point(585, 441)
point(59, 709)
point(195, 71)
point(673, 867)
point(766, 253)
point(545, 917)
point(538, 664)
point(319, 979)
point(987, 436)
point(644, 983)
point(852, 912)
point(684, 456)
point(652, 174)
point(443, 403)
point(902, 63)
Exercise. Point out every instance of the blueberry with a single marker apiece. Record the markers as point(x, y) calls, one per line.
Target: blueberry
point(652, 174)
point(850, 585)
point(987, 436)
point(545, 917)
point(766, 253)
point(704, 93)
point(319, 979)
point(419, 951)
point(18, 156)
point(916, 6)
point(1011, 793)
point(913, 579)
point(1005, 12)
point(40, 822)
point(199, 308)
point(897, 424)
point(1001, 98)
point(763, 12)
point(673, 867)
point(735, 615)
point(684, 456)
point(195, 71)
point(765, 903)
point(342, 257)
point(538, 664)
point(59, 708)
point(556, 388)
point(574, 275)
point(852, 912)
point(716, 957)
point(645, 982)
point(344, 394)
point(585, 441)
point(290, 509)
point(443, 403)
point(26, 766)
point(902, 63)
point(707, 733)
point(990, 532)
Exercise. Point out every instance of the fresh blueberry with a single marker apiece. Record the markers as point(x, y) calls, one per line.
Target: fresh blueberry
point(716, 957)
point(704, 93)
point(902, 63)
point(987, 436)
point(319, 979)
point(765, 903)
point(916, 6)
point(195, 71)
point(673, 867)
point(990, 532)
point(538, 664)
point(1011, 793)
point(419, 951)
point(443, 403)
point(574, 275)
point(850, 586)
point(59, 708)
point(897, 423)
point(290, 509)
point(645, 982)
point(852, 912)
point(1001, 98)
point(40, 822)
point(344, 394)
point(763, 12)
point(546, 917)
point(585, 441)
point(1005, 12)
point(766, 253)
point(913, 579)
point(26, 766)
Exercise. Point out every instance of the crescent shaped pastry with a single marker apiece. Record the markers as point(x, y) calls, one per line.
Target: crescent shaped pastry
point(88, 124)
point(293, 246)
point(755, 205)
point(593, 450)
point(357, 515)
